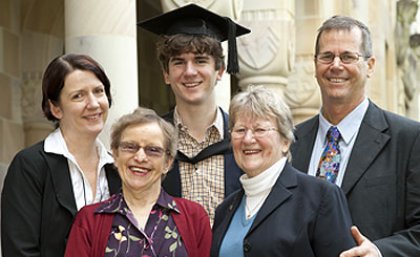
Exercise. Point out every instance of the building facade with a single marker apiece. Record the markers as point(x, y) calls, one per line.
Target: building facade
point(278, 54)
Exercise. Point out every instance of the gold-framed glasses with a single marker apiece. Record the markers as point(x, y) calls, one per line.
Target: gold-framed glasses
point(258, 132)
point(345, 57)
point(149, 150)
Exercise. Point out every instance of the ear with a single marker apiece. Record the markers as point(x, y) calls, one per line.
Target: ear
point(285, 145)
point(220, 72)
point(114, 153)
point(166, 77)
point(115, 156)
point(371, 66)
point(55, 110)
point(169, 162)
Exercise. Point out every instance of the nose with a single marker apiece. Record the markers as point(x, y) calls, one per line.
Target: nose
point(337, 61)
point(93, 101)
point(190, 68)
point(249, 136)
point(140, 155)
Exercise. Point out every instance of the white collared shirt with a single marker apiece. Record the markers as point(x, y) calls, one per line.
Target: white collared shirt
point(349, 128)
point(55, 143)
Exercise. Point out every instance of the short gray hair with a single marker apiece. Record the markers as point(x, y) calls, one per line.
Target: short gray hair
point(339, 22)
point(262, 102)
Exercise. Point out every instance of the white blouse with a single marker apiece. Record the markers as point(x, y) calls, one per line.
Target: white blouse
point(55, 143)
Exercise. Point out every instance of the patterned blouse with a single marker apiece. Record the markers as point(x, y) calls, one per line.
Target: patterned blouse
point(160, 238)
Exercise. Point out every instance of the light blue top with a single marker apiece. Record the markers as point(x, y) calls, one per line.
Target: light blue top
point(233, 242)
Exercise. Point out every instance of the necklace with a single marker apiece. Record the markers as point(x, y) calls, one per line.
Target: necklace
point(249, 212)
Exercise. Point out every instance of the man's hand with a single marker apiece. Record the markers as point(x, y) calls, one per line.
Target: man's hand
point(364, 248)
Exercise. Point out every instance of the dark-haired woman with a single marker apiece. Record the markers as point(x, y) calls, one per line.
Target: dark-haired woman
point(47, 183)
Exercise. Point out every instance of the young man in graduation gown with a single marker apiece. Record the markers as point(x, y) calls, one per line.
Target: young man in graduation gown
point(192, 61)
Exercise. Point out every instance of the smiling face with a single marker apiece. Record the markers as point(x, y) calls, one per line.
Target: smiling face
point(83, 105)
point(343, 83)
point(140, 172)
point(256, 154)
point(192, 78)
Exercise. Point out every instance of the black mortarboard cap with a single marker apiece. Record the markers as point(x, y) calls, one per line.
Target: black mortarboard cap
point(194, 20)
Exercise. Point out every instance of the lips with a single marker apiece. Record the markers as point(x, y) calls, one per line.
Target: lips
point(251, 152)
point(95, 116)
point(337, 80)
point(137, 169)
point(191, 84)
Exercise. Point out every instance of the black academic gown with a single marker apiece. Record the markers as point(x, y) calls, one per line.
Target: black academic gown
point(172, 182)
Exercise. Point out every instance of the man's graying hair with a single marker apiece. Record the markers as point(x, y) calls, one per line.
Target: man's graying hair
point(339, 22)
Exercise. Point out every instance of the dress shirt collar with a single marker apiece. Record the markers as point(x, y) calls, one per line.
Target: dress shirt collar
point(349, 126)
point(217, 123)
point(54, 143)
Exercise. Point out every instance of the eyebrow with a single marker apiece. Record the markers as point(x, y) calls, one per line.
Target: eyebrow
point(344, 52)
point(136, 143)
point(202, 56)
point(176, 58)
point(196, 55)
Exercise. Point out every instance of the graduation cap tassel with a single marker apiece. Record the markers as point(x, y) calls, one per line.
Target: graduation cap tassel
point(233, 65)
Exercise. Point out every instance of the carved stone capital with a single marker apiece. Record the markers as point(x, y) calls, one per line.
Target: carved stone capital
point(266, 55)
point(406, 11)
point(302, 93)
point(32, 97)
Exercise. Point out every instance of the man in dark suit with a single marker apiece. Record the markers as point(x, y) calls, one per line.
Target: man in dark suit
point(379, 167)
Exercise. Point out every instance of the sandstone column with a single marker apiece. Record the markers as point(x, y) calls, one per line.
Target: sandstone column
point(11, 127)
point(302, 93)
point(267, 54)
point(405, 55)
point(106, 30)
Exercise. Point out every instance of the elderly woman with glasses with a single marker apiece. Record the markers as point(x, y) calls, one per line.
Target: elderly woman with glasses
point(279, 211)
point(143, 220)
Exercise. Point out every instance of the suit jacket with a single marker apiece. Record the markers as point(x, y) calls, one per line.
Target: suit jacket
point(38, 205)
point(382, 179)
point(172, 181)
point(302, 216)
point(90, 232)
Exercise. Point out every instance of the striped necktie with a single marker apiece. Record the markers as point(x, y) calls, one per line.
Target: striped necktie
point(329, 163)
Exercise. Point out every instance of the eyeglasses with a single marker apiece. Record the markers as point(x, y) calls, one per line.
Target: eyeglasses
point(238, 133)
point(345, 57)
point(150, 151)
